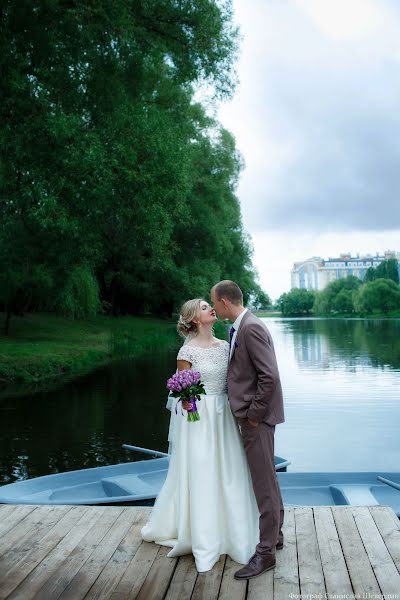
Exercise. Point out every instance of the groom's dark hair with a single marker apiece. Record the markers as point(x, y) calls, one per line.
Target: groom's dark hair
point(230, 290)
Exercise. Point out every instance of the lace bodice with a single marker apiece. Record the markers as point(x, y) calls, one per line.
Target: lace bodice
point(212, 363)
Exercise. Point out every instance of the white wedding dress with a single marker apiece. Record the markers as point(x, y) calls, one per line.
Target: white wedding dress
point(207, 505)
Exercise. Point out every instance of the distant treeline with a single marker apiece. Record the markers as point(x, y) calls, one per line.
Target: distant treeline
point(378, 293)
point(117, 186)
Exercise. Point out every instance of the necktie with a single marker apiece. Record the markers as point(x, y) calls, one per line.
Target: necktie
point(231, 332)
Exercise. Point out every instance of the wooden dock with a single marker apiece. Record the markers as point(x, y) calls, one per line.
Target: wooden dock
point(330, 552)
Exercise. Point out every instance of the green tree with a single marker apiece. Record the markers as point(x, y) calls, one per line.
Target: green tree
point(343, 301)
point(109, 168)
point(387, 269)
point(296, 302)
point(260, 300)
point(79, 297)
point(370, 275)
point(337, 296)
point(381, 295)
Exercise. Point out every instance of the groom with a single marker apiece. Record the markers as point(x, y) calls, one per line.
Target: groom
point(255, 397)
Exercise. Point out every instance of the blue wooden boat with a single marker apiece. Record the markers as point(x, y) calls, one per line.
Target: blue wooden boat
point(121, 483)
point(341, 488)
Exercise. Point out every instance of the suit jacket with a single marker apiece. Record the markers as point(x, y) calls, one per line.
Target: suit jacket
point(254, 385)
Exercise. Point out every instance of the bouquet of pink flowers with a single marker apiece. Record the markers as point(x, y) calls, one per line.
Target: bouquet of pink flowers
point(186, 385)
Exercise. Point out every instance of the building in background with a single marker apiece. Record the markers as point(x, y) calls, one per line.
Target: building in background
point(315, 273)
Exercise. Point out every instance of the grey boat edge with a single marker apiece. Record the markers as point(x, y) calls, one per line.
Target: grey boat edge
point(352, 488)
point(396, 486)
point(122, 483)
point(145, 450)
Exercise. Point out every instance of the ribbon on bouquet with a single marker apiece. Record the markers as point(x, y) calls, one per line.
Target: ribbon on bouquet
point(193, 407)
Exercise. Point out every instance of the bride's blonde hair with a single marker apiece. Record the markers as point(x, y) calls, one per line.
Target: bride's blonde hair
point(189, 311)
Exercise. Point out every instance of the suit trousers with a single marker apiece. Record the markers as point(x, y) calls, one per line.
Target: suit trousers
point(258, 442)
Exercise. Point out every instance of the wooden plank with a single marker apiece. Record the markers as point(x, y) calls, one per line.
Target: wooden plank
point(262, 586)
point(67, 570)
point(231, 588)
point(385, 570)
point(136, 572)
point(31, 528)
point(11, 515)
point(31, 585)
point(389, 527)
point(207, 584)
point(389, 513)
point(361, 574)
point(90, 570)
point(337, 580)
point(158, 578)
point(286, 573)
point(309, 560)
point(97, 552)
point(116, 566)
point(21, 562)
point(183, 579)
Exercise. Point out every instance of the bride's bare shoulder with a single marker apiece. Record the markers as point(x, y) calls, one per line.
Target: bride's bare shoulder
point(194, 345)
point(220, 343)
point(216, 344)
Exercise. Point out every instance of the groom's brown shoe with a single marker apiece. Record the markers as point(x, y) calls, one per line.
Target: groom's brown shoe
point(257, 564)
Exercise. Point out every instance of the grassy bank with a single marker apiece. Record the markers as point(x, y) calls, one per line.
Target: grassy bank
point(43, 346)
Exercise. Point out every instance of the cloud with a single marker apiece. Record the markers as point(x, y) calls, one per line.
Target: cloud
point(320, 105)
point(341, 19)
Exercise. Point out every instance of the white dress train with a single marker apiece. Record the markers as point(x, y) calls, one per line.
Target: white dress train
point(207, 505)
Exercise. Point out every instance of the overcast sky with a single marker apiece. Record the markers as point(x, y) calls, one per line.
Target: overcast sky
point(316, 117)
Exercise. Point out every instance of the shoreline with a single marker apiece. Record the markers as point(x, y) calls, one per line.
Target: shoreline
point(44, 350)
point(276, 314)
point(43, 347)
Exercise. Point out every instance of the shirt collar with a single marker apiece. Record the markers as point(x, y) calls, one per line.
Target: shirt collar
point(239, 319)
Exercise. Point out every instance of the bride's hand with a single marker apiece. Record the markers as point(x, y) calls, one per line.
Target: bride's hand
point(186, 405)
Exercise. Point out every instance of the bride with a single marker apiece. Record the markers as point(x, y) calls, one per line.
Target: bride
point(207, 505)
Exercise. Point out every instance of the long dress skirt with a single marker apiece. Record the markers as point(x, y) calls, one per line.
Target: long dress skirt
point(207, 505)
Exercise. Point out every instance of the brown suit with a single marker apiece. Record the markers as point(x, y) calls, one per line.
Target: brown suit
point(255, 393)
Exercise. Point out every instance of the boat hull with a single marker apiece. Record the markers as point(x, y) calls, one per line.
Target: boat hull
point(340, 489)
point(124, 483)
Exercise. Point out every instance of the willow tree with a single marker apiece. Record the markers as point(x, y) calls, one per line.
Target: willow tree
point(101, 146)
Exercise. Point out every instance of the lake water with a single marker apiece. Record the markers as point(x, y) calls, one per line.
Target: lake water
point(341, 383)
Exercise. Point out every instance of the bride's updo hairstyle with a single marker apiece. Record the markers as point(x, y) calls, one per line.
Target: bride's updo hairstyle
point(189, 311)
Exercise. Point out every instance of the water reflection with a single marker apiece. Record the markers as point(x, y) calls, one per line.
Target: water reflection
point(341, 381)
point(84, 423)
point(323, 343)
